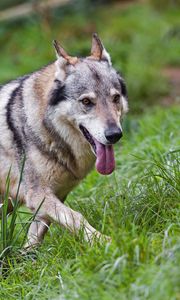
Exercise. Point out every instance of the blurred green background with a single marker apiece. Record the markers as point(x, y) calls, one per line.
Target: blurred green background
point(143, 38)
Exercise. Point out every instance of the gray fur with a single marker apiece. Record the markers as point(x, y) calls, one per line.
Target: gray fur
point(40, 117)
point(90, 76)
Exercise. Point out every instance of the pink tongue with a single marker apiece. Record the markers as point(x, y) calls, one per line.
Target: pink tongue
point(105, 162)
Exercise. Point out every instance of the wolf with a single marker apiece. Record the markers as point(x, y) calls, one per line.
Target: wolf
point(63, 119)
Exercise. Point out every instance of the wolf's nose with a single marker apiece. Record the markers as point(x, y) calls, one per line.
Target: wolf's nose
point(113, 134)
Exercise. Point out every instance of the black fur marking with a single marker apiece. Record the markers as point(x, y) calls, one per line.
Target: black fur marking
point(10, 119)
point(96, 76)
point(123, 87)
point(58, 93)
point(62, 146)
point(14, 116)
point(122, 84)
point(35, 140)
point(61, 143)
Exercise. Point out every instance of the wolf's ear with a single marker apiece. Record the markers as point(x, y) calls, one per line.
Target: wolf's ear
point(63, 60)
point(98, 51)
point(61, 53)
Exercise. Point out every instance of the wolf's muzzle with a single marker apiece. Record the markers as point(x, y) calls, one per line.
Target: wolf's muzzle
point(113, 134)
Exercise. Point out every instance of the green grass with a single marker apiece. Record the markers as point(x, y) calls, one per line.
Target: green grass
point(138, 206)
point(14, 225)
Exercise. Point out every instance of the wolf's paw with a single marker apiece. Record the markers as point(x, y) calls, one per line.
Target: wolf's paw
point(30, 247)
point(102, 238)
point(97, 237)
point(29, 252)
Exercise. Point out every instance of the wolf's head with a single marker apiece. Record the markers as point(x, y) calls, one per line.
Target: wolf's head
point(90, 95)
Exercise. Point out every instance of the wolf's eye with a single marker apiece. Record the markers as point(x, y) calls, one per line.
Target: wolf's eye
point(116, 98)
point(86, 101)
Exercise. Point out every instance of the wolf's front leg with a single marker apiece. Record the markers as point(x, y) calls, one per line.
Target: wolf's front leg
point(36, 232)
point(50, 208)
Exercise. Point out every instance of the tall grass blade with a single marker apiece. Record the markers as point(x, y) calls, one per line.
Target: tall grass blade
point(16, 204)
